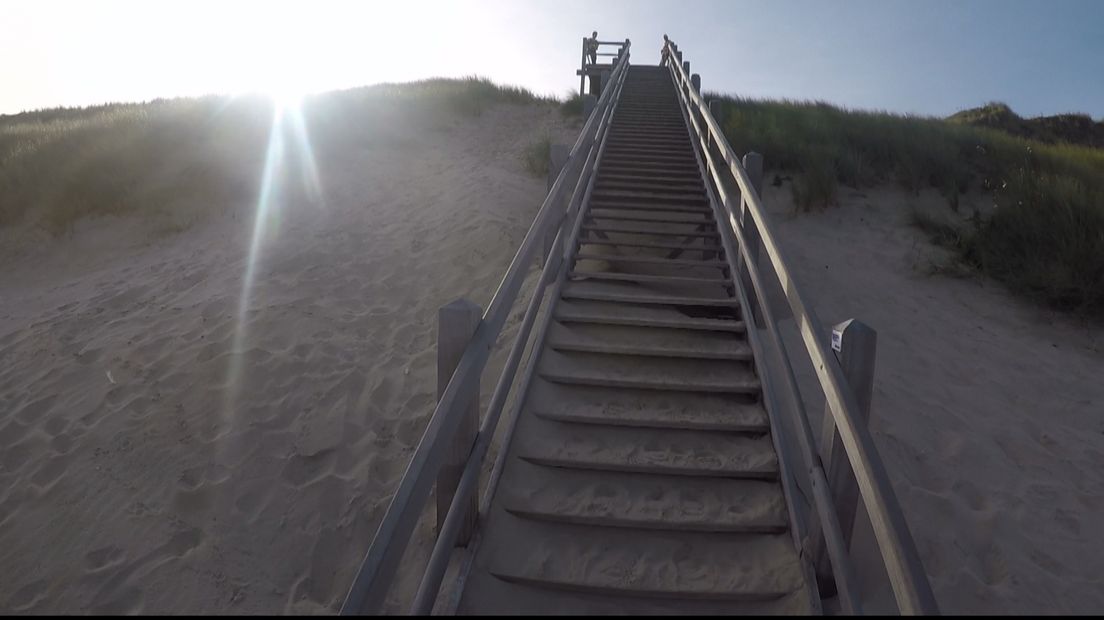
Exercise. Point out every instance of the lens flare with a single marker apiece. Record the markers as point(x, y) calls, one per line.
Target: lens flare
point(288, 142)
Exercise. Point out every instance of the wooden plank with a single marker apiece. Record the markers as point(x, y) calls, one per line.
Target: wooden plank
point(623, 317)
point(657, 300)
point(456, 324)
point(650, 260)
point(672, 190)
point(653, 245)
point(628, 230)
point(612, 276)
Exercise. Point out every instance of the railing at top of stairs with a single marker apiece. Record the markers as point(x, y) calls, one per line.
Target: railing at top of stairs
point(736, 200)
point(442, 438)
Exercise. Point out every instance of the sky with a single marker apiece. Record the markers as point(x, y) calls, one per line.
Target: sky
point(931, 57)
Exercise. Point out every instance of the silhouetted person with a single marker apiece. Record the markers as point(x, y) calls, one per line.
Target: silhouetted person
point(665, 53)
point(592, 47)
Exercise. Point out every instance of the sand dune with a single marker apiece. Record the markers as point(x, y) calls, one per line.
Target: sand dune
point(986, 411)
point(164, 450)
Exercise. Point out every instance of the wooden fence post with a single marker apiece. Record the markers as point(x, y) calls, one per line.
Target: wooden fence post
point(855, 345)
point(753, 164)
point(456, 323)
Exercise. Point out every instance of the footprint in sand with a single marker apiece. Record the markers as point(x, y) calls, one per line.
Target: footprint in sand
point(50, 472)
point(28, 596)
point(103, 558)
point(120, 595)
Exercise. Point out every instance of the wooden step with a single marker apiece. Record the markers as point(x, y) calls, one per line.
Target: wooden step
point(664, 503)
point(518, 598)
point(578, 290)
point(614, 276)
point(629, 207)
point(600, 313)
point(654, 342)
point(644, 373)
point(674, 132)
point(652, 188)
point(653, 565)
point(659, 452)
point(621, 196)
point(602, 214)
point(627, 133)
point(641, 153)
point(650, 141)
point(629, 230)
point(654, 179)
point(606, 406)
point(712, 249)
point(668, 115)
point(645, 167)
point(651, 260)
point(659, 158)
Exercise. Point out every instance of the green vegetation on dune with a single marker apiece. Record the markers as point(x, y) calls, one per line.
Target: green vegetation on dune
point(183, 156)
point(1070, 128)
point(470, 95)
point(1045, 237)
point(57, 166)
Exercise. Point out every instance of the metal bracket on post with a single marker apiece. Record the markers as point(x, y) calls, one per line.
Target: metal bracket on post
point(753, 164)
point(456, 323)
point(855, 345)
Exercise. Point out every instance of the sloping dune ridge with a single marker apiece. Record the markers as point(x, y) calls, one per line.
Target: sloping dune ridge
point(167, 448)
point(213, 419)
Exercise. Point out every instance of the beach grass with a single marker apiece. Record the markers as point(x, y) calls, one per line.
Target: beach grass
point(1045, 237)
point(60, 165)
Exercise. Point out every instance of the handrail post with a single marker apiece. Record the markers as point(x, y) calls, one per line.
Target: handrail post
point(855, 345)
point(557, 158)
point(715, 111)
point(456, 323)
point(753, 164)
point(589, 103)
point(582, 70)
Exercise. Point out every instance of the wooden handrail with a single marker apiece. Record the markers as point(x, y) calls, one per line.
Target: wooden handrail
point(373, 580)
point(898, 550)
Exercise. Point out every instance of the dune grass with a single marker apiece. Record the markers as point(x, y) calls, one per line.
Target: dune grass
point(60, 165)
point(572, 106)
point(1044, 239)
point(538, 156)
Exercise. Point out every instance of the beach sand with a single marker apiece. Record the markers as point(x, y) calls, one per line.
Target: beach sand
point(988, 411)
point(165, 448)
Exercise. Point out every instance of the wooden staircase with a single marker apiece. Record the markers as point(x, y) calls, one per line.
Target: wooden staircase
point(641, 476)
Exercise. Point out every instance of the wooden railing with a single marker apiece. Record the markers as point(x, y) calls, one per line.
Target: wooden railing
point(736, 201)
point(449, 456)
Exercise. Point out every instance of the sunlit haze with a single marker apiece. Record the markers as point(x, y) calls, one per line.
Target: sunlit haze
point(927, 57)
